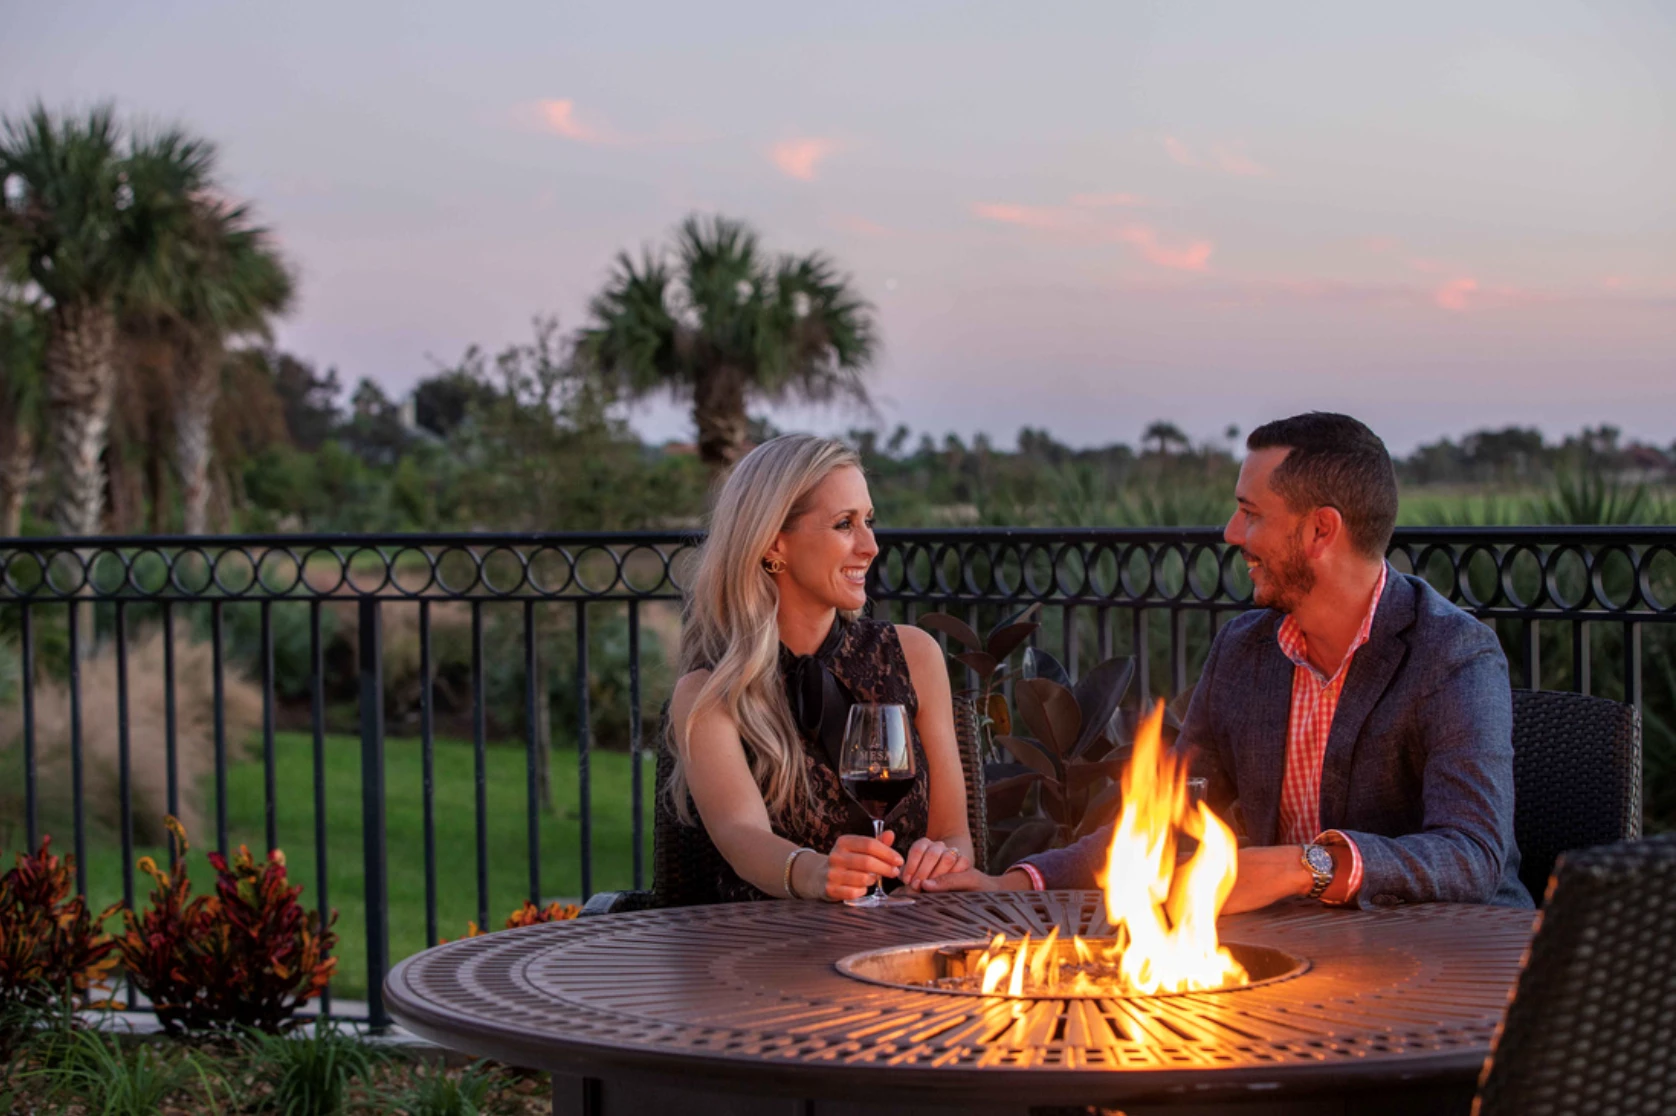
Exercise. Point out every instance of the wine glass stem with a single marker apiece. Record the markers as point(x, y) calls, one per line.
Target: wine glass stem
point(879, 881)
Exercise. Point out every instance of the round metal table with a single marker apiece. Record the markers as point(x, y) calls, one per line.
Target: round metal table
point(740, 1009)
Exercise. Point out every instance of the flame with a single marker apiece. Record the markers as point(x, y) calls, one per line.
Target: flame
point(1168, 910)
point(1163, 914)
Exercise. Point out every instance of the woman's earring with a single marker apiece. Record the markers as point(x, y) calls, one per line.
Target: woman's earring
point(774, 565)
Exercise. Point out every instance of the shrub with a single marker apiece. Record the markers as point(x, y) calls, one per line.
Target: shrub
point(49, 943)
point(529, 915)
point(97, 1074)
point(309, 1076)
point(194, 730)
point(1063, 783)
point(436, 1092)
point(247, 956)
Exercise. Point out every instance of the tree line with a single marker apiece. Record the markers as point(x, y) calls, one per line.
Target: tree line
point(140, 390)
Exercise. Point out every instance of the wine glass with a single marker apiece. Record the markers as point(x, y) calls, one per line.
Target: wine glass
point(878, 770)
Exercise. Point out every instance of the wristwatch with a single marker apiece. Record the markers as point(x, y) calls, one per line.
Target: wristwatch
point(1320, 864)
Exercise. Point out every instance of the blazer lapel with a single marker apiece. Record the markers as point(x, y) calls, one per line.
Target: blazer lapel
point(1371, 671)
point(1262, 743)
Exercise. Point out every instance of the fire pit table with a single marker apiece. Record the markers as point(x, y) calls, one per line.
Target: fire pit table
point(744, 1009)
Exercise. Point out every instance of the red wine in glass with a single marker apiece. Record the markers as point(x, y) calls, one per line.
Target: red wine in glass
point(878, 769)
point(879, 794)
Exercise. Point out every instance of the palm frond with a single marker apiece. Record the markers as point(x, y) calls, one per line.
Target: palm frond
point(635, 340)
point(63, 210)
point(818, 337)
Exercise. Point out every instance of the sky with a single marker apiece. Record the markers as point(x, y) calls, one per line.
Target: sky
point(1433, 215)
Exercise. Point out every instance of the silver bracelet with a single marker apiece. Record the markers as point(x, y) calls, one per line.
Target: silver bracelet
point(791, 859)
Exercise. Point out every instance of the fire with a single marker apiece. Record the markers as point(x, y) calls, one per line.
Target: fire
point(1163, 913)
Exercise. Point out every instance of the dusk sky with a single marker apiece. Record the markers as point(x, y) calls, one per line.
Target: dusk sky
point(1436, 216)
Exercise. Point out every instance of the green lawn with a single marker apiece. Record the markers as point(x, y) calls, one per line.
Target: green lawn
point(456, 858)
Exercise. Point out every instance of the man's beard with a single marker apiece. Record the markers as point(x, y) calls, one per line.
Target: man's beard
point(1290, 580)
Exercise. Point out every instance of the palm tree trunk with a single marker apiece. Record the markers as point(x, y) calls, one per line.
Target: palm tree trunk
point(81, 377)
point(719, 414)
point(17, 462)
point(194, 408)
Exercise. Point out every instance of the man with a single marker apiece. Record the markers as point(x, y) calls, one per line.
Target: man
point(1356, 726)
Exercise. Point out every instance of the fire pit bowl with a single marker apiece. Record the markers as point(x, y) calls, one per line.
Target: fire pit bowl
point(742, 1009)
point(917, 968)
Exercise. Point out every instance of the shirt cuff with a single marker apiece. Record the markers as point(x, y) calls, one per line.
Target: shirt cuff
point(1035, 875)
point(1335, 838)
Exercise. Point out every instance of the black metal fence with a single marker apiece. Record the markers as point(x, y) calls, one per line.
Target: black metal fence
point(1572, 606)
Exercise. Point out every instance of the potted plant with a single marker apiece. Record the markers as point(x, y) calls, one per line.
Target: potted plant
point(1067, 745)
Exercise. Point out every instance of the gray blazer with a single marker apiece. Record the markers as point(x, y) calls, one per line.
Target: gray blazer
point(1419, 764)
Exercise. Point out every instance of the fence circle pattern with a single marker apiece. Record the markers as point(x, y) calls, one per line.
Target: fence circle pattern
point(1573, 572)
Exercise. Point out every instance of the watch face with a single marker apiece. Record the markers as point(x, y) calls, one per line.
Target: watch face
point(1318, 859)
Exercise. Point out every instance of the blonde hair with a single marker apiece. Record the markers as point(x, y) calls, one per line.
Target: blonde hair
point(730, 621)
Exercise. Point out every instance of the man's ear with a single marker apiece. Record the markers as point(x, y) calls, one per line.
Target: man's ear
point(1326, 526)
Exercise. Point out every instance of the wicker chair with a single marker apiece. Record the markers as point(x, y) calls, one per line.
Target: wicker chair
point(1593, 1018)
point(684, 867)
point(1576, 777)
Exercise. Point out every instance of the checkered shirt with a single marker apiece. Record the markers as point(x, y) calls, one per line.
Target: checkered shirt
point(1314, 702)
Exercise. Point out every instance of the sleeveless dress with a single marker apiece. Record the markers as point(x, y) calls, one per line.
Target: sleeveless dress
point(865, 656)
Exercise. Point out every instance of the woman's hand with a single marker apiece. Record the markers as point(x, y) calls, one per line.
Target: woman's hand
point(928, 859)
point(855, 863)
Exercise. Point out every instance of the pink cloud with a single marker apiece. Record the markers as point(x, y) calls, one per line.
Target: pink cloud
point(1178, 152)
point(1193, 256)
point(1080, 221)
point(799, 158)
point(1029, 216)
point(1104, 201)
point(1453, 294)
point(1227, 158)
point(560, 119)
point(858, 224)
point(1237, 163)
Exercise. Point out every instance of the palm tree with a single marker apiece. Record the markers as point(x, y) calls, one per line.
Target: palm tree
point(99, 223)
point(1166, 434)
point(227, 283)
point(717, 321)
point(20, 409)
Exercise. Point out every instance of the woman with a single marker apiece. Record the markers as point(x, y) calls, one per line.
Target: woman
point(775, 607)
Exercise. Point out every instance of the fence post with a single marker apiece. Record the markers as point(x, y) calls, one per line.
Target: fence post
point(372, 809)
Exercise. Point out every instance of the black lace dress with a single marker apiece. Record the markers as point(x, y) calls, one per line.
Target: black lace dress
point(865, 657)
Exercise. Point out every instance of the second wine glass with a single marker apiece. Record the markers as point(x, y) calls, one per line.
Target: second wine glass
point(878, 769)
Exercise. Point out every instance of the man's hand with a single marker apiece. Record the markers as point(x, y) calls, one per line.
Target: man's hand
point(1268, 875)
point(928, 859)
point(855, 863)
point(1013, 879)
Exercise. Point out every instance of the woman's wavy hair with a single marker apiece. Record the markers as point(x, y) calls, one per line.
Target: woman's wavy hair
point(730, 624)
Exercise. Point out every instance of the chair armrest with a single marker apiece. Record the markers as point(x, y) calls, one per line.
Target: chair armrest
point(617, 902)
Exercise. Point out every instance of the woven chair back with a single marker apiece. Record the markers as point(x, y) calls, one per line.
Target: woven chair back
point(1576, 777)
point(1593, 1018)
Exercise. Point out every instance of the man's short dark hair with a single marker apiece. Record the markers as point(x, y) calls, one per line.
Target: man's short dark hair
point(1336, 462)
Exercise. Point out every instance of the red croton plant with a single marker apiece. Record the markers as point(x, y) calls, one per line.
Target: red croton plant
point(248, 955)
point(49, 941)
point(529, 915)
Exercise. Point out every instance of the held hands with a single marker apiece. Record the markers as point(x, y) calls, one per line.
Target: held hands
point(856, 862)
point(929, 860)
point(970, 879)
